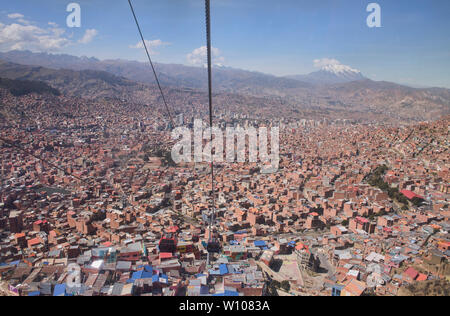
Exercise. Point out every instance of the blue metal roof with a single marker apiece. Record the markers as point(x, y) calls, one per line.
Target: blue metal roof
point(142, 274)
point(214, 272)
point(156, 277)
point(223, 269)
point(60, 290)
point(260, 243)
point(227, 293)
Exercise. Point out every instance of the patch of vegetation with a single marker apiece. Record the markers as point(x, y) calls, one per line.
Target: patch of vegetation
point(286, 286)
point(167, 159)
point(272, 288)
point(380, 214)
point(376, 180)
point(417, 201)
point(427, 288)
point(49, 190)
point(164, 154)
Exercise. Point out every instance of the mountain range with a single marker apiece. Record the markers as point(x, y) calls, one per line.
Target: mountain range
point(332, 88)
point(180, 76)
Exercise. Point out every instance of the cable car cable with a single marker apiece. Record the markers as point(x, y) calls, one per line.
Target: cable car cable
point(151, 64)
point(212, 244)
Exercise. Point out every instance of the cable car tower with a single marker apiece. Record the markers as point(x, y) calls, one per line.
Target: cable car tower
point(213, 243)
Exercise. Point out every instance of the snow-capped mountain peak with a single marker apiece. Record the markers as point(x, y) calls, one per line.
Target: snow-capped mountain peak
point(338, 69)
point(331, 71)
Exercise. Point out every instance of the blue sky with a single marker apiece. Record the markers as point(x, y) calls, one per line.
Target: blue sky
point(281, 37)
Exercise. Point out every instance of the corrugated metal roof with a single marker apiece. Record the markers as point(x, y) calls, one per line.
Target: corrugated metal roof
point(117, 289)
point(223, 269)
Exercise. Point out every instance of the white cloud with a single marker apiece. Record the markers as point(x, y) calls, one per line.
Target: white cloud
point(15, 16)
point(150, 45)
point(19, 17)
point(88, 36)
point(24, 36)
point(198, 57)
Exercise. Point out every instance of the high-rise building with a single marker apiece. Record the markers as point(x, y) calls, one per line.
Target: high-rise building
point(180, 119)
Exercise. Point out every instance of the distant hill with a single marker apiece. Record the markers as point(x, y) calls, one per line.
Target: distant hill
point(87, 83)
point(180, 76)
point(392, 99)
point(24, 87)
